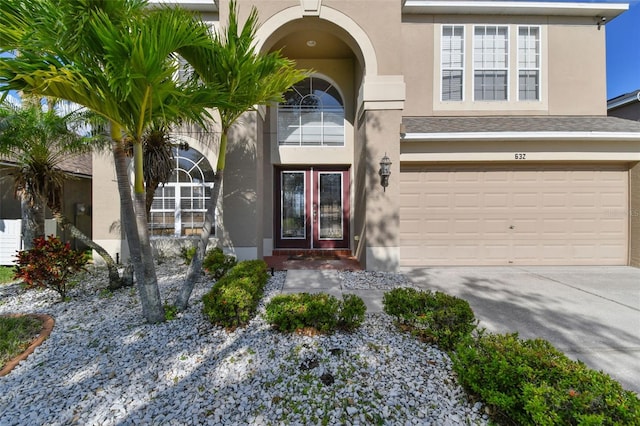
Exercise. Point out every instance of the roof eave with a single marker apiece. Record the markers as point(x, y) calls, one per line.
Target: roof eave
point(509, 136)
point(198, 5)
point(481, 7)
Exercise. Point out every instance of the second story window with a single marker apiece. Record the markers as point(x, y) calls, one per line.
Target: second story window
point(491, 63)
point(452, 61)
point(528, 63)
point(311, 115)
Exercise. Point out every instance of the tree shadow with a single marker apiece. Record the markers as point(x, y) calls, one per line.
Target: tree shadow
point(582, 325)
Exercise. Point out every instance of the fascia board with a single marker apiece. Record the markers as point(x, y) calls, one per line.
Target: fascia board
point(199, 5)
point(505, 136)
point(470, 7)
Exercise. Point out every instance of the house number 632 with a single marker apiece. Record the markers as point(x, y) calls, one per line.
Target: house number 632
point(520, 156)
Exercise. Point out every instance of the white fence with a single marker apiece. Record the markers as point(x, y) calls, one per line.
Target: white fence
point(10, 240)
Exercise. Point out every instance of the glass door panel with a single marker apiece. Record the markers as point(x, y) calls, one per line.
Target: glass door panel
point(293, 222)
point(330, 206)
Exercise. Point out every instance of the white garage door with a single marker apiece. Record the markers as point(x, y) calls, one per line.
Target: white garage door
point(502, 215)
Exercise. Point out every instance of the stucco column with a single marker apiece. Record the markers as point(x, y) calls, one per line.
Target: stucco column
point(381, 136)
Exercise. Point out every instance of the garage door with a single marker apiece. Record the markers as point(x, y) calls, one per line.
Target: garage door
point(502, 215)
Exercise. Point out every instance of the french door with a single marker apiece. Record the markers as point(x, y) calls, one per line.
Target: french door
point(312, 208)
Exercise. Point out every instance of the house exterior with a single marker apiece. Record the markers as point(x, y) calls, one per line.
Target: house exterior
point(492, 115)
point(77, 206)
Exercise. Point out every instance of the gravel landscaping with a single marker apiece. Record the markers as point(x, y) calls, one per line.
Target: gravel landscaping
point(102, 365)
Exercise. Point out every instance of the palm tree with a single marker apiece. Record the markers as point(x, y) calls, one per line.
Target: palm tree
point(38, 142)
point(117, 58)
point(247, 78)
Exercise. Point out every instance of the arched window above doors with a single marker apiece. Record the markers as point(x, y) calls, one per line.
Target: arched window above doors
point(179, 206)
point(312, 114)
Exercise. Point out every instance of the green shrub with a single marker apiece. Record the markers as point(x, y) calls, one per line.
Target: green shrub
point(187, 253)
point(49, 264)
point(216, 263)
point(351, 313)
point(435, 317)
point(529, 382)
point(320, 311)
point(233, 299)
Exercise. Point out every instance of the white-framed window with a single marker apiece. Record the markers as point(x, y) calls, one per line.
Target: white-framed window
point(179, 206)
point(491, 63)
point(452, 62)
point(529, 63)
point(312, 114)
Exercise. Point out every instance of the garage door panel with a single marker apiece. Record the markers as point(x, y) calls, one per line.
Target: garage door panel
point(528, 215)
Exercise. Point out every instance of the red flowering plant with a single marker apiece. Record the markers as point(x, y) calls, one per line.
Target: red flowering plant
point(49, 264)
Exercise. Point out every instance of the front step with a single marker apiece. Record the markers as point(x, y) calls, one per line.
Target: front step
point(340, 253)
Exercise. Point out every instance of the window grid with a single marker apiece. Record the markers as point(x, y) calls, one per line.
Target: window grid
point(180, 205)
point(452, 62)
point(491, 63)
point(529, 63)
point(311, 115)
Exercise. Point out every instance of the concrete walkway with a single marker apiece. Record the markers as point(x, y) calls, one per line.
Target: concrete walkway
point(327, 281)
point(590, 313)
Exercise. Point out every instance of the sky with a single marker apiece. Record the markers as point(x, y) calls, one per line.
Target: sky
point(623, 52)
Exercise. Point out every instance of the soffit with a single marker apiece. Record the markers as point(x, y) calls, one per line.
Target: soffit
point(530, 8)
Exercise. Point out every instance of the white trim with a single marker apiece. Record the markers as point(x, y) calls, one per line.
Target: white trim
point(501, 136)
point(628, 98)
point(199, 5)
point(477, 7)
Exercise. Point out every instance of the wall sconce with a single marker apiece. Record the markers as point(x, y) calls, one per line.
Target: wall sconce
point(385, 171)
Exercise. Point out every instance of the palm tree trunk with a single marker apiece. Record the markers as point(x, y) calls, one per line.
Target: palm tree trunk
point(147, 289)
point(114, 277)
point(32, 220)
point(195, 267)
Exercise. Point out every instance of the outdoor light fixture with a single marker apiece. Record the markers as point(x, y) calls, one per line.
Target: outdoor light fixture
point(385, 171)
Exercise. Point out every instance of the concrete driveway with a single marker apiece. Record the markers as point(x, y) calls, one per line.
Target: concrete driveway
point(590, 313)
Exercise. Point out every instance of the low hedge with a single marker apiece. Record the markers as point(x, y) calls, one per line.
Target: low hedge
point(529, 382)
point(233, 299)
point(320, 311)
point(435, 317)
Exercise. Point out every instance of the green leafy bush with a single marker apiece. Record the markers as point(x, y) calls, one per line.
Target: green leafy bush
point(216, 263)
point(320, 311)
point(435, 317)
point(529, 382)
point(49, 264)
point(187, 253)
point(351, 313)
point(233, 299)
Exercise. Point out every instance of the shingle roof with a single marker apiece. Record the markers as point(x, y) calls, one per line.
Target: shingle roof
point(80, 164)
point(493, 124)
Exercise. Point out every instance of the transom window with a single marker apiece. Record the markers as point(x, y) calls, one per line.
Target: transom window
point(312, 114)
point(491, 63)
point(528, 63)
point(179, 206)
point(452, 60)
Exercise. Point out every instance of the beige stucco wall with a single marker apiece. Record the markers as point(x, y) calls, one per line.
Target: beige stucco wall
point(573, 80)
point(381, 135)
point(577, 68)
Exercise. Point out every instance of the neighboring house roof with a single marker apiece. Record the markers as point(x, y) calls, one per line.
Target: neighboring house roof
point(622, 100)
point(80, 165)
point(519, 127)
